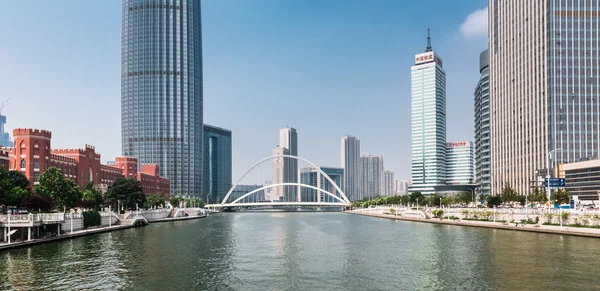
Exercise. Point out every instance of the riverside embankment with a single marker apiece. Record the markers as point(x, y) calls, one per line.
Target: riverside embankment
point(424, 216)
point(25, 229)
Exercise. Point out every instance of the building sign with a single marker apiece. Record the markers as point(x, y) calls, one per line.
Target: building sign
point(427, 57)
point(424, 58)
point(458, 144)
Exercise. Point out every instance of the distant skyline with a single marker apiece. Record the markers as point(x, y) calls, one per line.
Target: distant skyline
point(343, 66)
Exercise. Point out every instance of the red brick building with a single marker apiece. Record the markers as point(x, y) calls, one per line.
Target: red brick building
point(32, 154)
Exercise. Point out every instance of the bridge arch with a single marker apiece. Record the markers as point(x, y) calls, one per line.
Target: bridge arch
point(345, 199)
point(286, 184)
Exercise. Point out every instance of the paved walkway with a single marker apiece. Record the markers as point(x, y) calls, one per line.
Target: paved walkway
point(83, 232)
point(578, 231)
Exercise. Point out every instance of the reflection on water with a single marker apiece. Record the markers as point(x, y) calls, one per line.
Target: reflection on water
point(305, 251)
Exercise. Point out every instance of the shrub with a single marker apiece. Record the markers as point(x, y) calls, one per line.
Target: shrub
point(438, 213)
point(91, 218)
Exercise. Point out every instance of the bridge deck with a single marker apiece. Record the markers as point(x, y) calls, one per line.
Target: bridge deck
point(278, 204)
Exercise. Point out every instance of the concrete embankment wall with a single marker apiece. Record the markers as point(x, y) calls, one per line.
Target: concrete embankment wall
point(544, 229)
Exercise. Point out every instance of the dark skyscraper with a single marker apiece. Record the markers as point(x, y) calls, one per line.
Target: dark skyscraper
point(161, 89)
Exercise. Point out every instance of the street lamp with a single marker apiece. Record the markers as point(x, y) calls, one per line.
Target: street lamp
point(548, 172)
point(440, 202)
point(473, 195)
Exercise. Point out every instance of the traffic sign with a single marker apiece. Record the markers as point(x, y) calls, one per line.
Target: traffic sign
point(555, 182)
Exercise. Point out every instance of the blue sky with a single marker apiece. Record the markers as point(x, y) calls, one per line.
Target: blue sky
point(328, 68)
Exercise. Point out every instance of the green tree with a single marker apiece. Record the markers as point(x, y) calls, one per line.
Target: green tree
point(522, 200)
point(18, 179)
point(37, 202)
point(405, 199)
point(562, 196)
point(155, 200)
point(414, 196)
point(92, 197)
point(127, 192)
point(465, 197)
point(174, 200)
point(494, 200)
point(509, 194)
point(64, 192)
point(538, 195)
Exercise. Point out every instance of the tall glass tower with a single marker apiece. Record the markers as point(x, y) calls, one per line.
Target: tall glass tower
point(161, 89)
point(428, 122)
point(482, 125)
point(544, 88)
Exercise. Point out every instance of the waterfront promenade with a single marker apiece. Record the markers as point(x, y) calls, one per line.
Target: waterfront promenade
point(118, 222)
point(501, 221)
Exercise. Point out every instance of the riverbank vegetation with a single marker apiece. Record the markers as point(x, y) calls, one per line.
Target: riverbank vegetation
point(55, 192)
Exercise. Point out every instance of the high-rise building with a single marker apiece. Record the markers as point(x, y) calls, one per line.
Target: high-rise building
point(161, 89)
point(401, 187)
point(313, 177)
point(372, 175)
point(388, 183)
point(544, 87)
point(280, 168)
point(482, 125)
point(5, 140)
point(352, 165)
point(428, 121)
point(460, 163)
point(288, 138)
point(217, 163)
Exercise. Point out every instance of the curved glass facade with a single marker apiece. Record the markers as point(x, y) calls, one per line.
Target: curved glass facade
point(161, 89)
point(482, 125)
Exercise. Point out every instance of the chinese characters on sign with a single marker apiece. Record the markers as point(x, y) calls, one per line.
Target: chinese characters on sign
point(458, 144)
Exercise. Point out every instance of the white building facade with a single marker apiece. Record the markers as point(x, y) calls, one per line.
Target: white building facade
point(460, 163)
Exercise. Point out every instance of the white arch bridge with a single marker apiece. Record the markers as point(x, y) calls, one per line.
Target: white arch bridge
point(333, 200)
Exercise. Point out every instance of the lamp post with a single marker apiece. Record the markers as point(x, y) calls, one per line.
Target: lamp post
point(548, 172)
point(473, 195)
point(72, 221)
point(109, 216)
point(8, 217)
point(440, 202)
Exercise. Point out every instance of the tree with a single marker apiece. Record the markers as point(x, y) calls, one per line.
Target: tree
point(34, 201)
point(465, 197)
point(494, 200)
point(561, 196)
point(64, 192)
point(522, 200)
point(127, 192)
point(19, 179)
point(414, 196)
point(538, 195)
point(509, 194)
point(155, 200)
point(174, 200)
point(92, 197)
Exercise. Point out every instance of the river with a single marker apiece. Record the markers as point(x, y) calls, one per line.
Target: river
point(305, 251)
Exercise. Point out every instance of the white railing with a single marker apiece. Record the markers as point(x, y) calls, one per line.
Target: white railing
point(74, 215)
point(31, 218)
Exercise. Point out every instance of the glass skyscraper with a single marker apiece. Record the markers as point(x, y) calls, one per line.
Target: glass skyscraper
point(161, 89)
point(460, 161)
point(217, 163)
point(544, 87)
point(482, 125)
point(351, 164)
point(428, 120)
point(5, 140)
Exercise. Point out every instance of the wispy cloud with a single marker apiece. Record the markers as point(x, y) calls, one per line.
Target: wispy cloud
point(476, 24)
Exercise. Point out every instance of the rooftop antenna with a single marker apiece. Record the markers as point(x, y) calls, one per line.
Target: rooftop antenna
point(428, 49)
point(3, 104)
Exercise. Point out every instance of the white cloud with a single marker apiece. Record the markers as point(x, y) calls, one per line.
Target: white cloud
point(476, 23)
